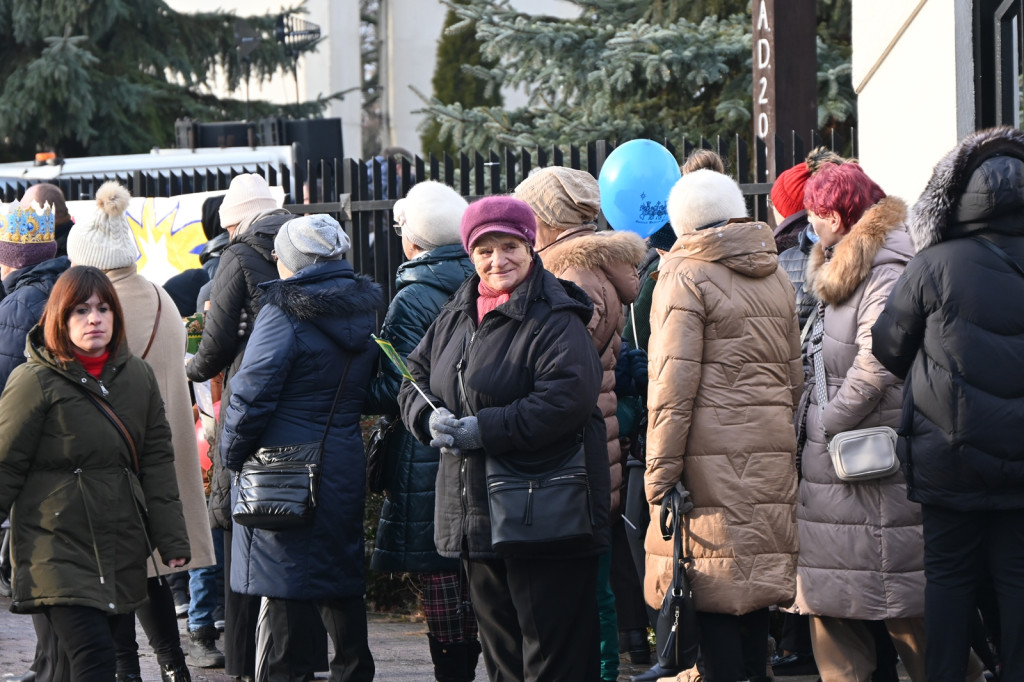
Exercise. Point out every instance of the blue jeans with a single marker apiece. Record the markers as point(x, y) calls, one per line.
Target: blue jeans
point(207, 587)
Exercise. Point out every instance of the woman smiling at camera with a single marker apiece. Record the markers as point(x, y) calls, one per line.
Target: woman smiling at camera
point(515, 376)
point(81, 487)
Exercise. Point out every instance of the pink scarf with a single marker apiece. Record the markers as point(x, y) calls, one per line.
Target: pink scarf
point(488, 300)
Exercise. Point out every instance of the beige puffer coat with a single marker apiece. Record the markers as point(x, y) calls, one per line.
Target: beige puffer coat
point(725, 376)
point(603, 264)
point(861, 548)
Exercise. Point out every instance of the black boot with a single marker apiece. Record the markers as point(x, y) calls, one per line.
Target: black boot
point(128, 677)
point(175, 672)
point(202, 650)
point(472, 657)
point(452, 659)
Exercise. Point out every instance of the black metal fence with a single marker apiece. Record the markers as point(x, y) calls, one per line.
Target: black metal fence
point(361, 194)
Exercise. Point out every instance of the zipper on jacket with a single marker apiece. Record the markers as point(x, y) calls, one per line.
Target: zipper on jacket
point(103, 389)
point(88, 519)
point(460, 371)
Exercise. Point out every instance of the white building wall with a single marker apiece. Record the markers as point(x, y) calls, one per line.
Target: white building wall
point(334, 67)
point(917, 101)
point(409, 54)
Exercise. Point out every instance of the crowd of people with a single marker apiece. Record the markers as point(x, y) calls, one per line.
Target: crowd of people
point(584, 375)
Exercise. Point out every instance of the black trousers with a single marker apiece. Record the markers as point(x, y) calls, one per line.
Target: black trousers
point(537, 618)
point(86, 637)
point(160, 624)
point(629, 593)
point(240, 614)
point(636, 517)
point(960, 548)
point(294, 637)
point(734, 647)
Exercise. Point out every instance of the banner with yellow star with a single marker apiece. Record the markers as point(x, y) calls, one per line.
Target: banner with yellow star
point(168, 230)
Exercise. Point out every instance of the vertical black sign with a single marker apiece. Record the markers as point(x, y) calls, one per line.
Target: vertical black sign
point(785, 73)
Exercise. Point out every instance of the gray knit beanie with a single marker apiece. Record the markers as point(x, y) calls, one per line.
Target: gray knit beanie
point(106, 242)
point(309, 239)
point(430, 215)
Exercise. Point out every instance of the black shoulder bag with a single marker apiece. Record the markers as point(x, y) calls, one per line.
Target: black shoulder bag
point(277, 487)
point(538, 510)
point(676, 628)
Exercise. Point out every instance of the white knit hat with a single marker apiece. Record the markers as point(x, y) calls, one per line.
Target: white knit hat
point(310, 239)
point(248, 196)
point(107, 241)
point(430, 215)
point(703, 199)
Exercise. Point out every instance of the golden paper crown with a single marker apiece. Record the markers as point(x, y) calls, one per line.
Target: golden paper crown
point(32, 225)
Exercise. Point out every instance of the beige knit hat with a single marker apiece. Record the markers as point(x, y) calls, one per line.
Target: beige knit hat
point(430, 214)
point(561, 197)
point(248, 196)
point(105, 242)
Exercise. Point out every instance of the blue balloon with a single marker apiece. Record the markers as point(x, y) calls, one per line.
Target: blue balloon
point(635, 181)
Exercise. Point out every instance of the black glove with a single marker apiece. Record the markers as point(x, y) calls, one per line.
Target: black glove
point(630, 370)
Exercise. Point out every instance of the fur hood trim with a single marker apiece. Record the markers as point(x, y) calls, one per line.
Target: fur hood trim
point(303, 302)
point(869, 242)
point(588, 250)
point(933, 215)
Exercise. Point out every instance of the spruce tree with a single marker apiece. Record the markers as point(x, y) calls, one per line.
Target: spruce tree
point(660, 69)
point(111, 76)
point(455, 50)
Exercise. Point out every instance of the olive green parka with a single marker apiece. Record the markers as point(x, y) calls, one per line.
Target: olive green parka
point(79, 514)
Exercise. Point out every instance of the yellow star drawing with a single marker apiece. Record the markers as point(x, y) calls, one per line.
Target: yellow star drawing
point(165, 248)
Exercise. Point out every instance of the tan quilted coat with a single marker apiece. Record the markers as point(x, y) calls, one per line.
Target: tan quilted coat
point(603, 264)
point(861, 548)
point(725, 376)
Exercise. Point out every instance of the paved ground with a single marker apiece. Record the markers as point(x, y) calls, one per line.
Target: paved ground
point(399, 649)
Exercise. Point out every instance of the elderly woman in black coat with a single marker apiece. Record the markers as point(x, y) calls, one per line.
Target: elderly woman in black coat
point(312, 334)
point(514, 376)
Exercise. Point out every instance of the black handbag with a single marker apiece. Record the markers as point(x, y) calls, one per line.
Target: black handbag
point(379, 459)
point(542, 511)
point(277, 486)
point(676, 632)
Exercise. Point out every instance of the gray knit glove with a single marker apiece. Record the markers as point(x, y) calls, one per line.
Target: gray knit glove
point(467, 434)
point(443, 426)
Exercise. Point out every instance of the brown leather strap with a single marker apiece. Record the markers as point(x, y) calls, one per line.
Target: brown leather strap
point(109, 413)
point(156, 324)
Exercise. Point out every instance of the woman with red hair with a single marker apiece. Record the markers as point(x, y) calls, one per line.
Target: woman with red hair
point(861, 549)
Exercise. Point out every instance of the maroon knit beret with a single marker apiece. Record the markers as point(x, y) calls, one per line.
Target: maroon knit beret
point(788, 190)
point(507, 215)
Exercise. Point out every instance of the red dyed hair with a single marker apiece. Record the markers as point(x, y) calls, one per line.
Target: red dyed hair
point(845, 190)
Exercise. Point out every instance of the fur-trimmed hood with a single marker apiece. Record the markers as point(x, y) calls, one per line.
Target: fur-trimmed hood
point(879, 237)
point(331, 297)
point(617, 254)
point(958, 200)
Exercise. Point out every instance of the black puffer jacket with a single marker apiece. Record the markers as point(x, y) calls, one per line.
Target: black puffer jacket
point(405, 536)
point(532, 378)
point(244, 265)
point(794, 261)
point(954, 323)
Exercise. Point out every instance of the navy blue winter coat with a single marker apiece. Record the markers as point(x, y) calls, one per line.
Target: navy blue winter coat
point(309, 326)
point(27, 292)
point(405, 536)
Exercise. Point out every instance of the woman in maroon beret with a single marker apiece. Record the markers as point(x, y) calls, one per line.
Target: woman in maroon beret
point(513, 375)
